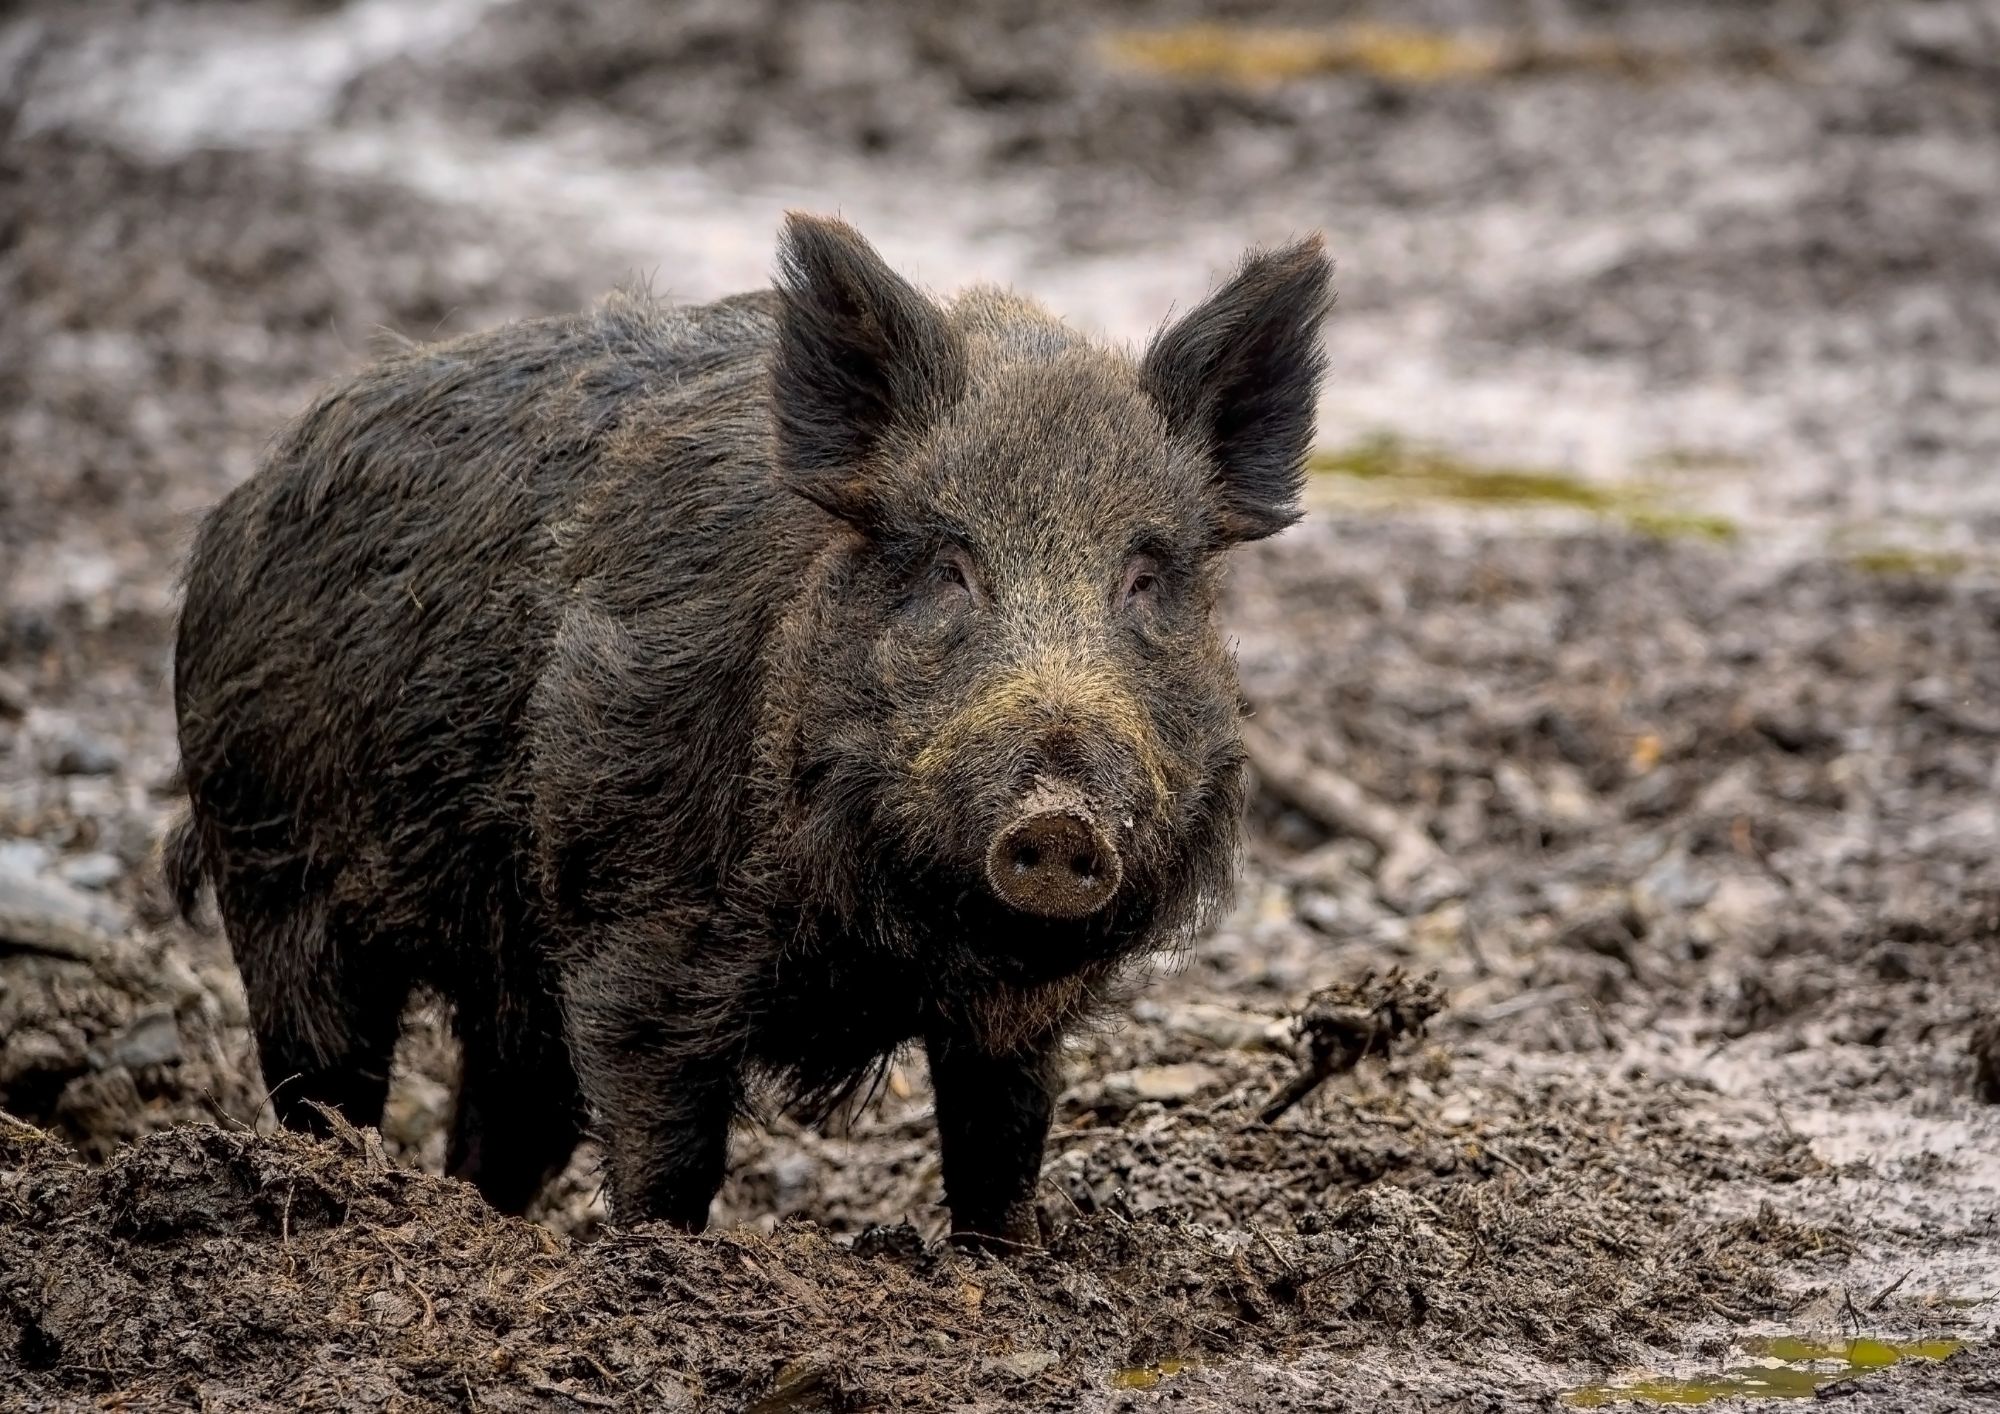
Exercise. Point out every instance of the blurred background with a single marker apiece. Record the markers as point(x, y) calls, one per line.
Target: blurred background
point(1745, 252)
point(1638, 667)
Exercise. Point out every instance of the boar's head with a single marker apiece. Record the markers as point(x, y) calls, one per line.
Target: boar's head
point(1017, 719)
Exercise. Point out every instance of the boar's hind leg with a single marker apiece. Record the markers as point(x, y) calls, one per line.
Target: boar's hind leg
point(519, 1115)
point(992, 1118)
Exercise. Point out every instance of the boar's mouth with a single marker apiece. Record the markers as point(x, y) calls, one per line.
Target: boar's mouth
point(1053, 859)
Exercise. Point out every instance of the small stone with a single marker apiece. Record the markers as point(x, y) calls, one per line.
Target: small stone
point(69, 750)
point(1568, 799)
point(1171, 1084)
point(390, 1308)
point(13, 698)
point(24, 859)
point(1742, 905)
point(1116, 1095)
point(1440, 932)
point(95, 871)
point(1455, 1113)
point(1674, 885)
point(1322, 911)
point(1022, 1364)
point(794, 1178)
point(151, 1038)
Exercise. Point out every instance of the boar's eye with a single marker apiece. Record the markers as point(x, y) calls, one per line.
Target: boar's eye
point(1142, 581)
point(955, 575)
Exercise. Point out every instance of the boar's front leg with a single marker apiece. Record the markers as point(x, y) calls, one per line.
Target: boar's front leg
point(662, 1089)
point(993, 1116)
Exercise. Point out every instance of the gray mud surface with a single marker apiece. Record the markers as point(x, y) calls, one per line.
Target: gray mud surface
point(1637, 673)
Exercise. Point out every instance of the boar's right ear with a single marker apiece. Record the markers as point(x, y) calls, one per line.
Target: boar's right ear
point(861, 353)
point(1240, 377)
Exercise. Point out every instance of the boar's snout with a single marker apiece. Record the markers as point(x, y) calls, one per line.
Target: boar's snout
point(1053, 859)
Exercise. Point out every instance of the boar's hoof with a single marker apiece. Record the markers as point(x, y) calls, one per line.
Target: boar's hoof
point(1018, 1229)
point(1054, 862)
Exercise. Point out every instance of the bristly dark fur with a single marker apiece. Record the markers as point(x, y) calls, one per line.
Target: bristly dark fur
point(651, 683)
point(182, 866)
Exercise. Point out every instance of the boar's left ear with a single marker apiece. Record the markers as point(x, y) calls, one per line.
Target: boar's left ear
point(1240, 376)
point(861, 354)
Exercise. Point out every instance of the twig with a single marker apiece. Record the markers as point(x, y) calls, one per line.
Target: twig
point(1890, 1290)
point(1413, 874)
point(402, 1278)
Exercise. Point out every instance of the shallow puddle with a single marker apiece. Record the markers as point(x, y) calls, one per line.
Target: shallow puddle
point(1149, 1376)
point(1787, 1368)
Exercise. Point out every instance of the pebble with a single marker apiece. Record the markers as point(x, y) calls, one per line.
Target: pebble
point(793, 1180)
point(24, 859)
point(1023, 1364)
point(67, 748)
point(81, 754)
point(1162, 1084)
point(1676, 885)
point(153, 1037)
point(95, 871)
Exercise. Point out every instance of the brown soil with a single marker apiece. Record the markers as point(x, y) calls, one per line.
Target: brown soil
point(1707, 827)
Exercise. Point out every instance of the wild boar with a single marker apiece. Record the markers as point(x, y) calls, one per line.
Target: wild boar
point(707, 701)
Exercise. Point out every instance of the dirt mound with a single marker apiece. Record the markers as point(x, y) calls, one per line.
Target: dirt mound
point(322, 1275)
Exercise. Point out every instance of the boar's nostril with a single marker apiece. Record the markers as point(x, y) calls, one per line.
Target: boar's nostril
point(1054, 862)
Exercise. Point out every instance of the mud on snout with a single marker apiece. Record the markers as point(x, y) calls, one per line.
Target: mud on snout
point(1044, 786)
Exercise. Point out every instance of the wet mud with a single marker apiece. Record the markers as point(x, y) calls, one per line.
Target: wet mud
point(1631, 684)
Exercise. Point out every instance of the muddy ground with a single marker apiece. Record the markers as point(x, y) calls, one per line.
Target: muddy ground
point(1638, 672)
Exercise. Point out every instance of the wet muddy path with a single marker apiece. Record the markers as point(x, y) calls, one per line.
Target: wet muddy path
point(1638, 672)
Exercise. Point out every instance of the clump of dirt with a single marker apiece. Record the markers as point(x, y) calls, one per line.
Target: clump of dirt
point(1344, 1024)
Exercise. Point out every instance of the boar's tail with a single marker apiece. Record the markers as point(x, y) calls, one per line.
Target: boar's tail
point(183, 863)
